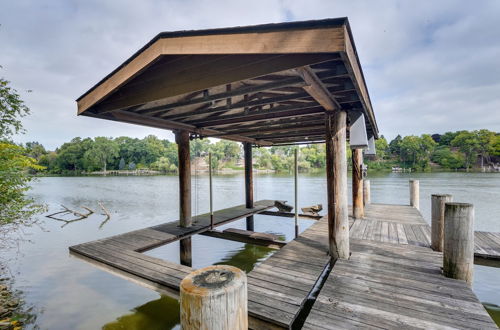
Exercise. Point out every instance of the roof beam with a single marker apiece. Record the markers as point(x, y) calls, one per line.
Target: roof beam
point(134, 118)
point(242, 104)
point(276, 128)
point(316, 89)
point(279, 112)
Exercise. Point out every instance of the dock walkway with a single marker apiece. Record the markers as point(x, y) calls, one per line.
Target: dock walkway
point(392, 280)
point(404, 225)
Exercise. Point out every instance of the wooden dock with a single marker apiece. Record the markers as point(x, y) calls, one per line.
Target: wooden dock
point(392, 279)
point(404, 225)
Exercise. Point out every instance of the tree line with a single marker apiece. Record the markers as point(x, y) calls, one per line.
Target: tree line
point(452, 150)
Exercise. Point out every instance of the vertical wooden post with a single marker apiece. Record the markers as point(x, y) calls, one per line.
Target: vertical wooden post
point(214, 298)
point(458, 249)
point(357, 184)
point(296, 177)
point(247, 150)
point(367, 198)
point(336, 179)
point(415, 194)
point(437, 220)
point(211, 190)
point(185, 220)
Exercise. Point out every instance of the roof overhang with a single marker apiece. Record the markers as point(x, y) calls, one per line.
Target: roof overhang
point(266, 84)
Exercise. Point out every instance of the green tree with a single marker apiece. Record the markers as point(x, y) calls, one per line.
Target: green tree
point(382, 148)
point(102, 152)
point(395, 145)
point(447, 158)
point(17, 209)
point(468, 143)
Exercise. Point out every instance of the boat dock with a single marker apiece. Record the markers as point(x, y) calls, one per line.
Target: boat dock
point(392, 278)
point(287, 84)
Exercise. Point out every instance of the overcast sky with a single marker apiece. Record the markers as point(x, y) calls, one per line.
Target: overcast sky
point(430, 66)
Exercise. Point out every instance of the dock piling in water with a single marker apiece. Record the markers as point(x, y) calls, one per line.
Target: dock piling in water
point(357, 183)
point(415, 194)
point(437, 220)
point(458, 249)
point(214, 297)
point(366, 192)
point(247, 150)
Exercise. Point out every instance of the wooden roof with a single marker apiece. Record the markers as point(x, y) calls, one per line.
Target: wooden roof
point(266, 84)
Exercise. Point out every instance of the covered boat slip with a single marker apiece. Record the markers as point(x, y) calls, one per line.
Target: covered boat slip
point(271, 85)
point(267, 84)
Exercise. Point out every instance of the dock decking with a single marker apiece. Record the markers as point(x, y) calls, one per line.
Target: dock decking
point(404, 225)
point(392, 280)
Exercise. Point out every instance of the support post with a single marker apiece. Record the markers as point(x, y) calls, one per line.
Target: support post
point(437, 220)
point(458, 249)
point(211, 191)
point(185, 220)
point(415, 194)
point(247, 150)
point(367, 198)
point(357, 184)
point(213, 298)
point(296, 177)
point(336, 177)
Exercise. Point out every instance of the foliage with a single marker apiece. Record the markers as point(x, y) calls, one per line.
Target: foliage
point(451, 150)
point(102, 152)
point(447, 158)
point(12, 108)
point(17, 208)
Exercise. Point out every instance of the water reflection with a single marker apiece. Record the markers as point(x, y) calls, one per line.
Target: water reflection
point(163, 313)
point(67, 289)
point(158, 314)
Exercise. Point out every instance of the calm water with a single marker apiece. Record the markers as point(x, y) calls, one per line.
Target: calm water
point(68, 293)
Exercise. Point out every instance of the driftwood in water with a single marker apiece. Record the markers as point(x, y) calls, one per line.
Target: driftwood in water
point(106, 213)
point(283, 207)
point(79, 215)
point(313, 210)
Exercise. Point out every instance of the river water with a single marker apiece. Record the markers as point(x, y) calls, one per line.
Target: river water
point(67, 293)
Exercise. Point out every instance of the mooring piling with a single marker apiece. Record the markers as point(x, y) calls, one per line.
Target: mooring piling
point(437, 220)
point(458, 249)
point(415, 194)
point(214, 298)
point(366, 192)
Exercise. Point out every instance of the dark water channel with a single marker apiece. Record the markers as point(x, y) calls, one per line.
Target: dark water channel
point(67, 293)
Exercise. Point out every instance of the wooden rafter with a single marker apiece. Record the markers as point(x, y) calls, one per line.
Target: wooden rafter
point(316, 89)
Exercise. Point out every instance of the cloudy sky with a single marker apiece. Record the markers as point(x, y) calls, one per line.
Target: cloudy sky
point(430, 66)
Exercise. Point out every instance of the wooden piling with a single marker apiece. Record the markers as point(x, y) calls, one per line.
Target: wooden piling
point(458, 248)
point(185, 219)
point(296, 190)
point(357, 184)
point(214, 297)
point(415, 194)
point(437, 220)
point(247, 151)
point(366, 192)
point(336, 178)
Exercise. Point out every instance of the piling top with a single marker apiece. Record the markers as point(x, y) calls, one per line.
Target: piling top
point(213, 280)
point(441, 195)
point(459, 205)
